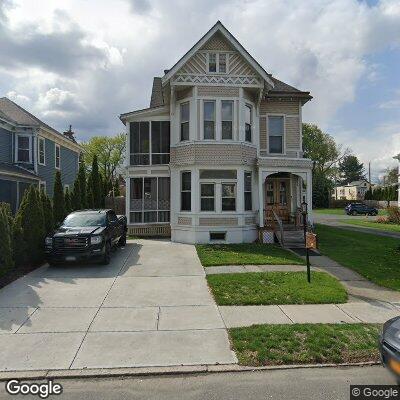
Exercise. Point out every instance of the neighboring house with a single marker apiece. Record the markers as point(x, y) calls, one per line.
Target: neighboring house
point(353, 191)
point(398, 183)
point(31, 152)
point(218, 150)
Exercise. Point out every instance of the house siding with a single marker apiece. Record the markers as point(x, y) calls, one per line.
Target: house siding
point(69, 166)
point(6, 140)
point(218, 91)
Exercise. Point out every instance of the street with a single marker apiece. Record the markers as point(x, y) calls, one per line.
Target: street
point(307, 384)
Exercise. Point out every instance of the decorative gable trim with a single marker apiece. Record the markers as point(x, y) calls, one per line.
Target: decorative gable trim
point(218, 27)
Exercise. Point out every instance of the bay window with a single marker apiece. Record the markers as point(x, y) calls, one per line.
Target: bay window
point(207, 197)
point(228, 196)
point(248, 122)
point(227, 119)
point(149, 200)
point(24, 148)
point(247, 192)
point(209, 119)
point(185, 117)
point(186, 191)
point(275, 134)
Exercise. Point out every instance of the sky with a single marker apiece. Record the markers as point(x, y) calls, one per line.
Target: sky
point(84, 62)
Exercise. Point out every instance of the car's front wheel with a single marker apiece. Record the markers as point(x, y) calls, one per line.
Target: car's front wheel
point(107, 254)
point(354, 213)
point(122, 240)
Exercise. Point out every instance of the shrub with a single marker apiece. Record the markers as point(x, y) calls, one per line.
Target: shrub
point(6, 250)
point(394, 215)
point(76, 196)
point(382, 220)
point(47, 212)
point(82, 186)
point(67, 202)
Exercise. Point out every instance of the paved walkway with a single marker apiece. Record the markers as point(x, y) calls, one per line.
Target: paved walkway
point(150, 307)
point(368, 302)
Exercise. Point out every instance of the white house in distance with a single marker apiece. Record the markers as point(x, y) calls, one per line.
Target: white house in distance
point(218, 153)
point(353, 191)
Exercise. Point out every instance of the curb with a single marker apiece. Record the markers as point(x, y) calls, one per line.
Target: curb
point(161, 371)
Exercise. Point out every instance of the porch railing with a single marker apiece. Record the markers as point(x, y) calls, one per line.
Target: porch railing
point(280, 226)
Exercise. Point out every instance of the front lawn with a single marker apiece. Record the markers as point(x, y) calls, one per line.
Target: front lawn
point(377, 258)
point(260, 345)
point(372, 224)
point(255, 288)
point(338, 211)
point(245, 254)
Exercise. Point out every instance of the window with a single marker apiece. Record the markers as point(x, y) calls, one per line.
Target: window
point(149, 200)
point(207, 197)
point(160, 136)
point(227, 119)
point(209, 119)
point(247, 192)
point(222, 63)
point(275, 134)
point(57, 154)
point(212, 62)
point(217, 236)
point(24, 153)
point(248, 122)
point(217, 62)
point(228, 196)
point(139, 143)
point(66, 188)
point(185, 117)
point(186, 189)
point(41, 151)
point(217, 174)
point(42, 186)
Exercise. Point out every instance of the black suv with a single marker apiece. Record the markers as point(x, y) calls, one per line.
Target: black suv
point(360, 208)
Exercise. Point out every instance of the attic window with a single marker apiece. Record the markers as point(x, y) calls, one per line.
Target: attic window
point(217, 62)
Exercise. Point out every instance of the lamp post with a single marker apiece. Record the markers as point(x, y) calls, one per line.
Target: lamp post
point(304, 212)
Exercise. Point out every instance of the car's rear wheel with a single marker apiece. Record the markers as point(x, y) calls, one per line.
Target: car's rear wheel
point(107, 255)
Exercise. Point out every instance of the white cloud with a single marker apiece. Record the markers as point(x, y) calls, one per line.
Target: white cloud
point(101, 56)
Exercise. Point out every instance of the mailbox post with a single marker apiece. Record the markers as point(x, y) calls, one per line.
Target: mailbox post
point(304, 212)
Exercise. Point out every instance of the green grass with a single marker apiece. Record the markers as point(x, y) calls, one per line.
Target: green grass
point(260, 345)
point(377, 258)
point(245, 254)
point(255, 288)
point(375, 225)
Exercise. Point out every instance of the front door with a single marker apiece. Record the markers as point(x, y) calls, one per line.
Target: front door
point(277, 198)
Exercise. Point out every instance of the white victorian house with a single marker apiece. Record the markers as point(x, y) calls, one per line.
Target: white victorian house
point(218, 153)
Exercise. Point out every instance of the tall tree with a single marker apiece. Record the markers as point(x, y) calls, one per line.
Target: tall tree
point(94, 184)
point(351, 169)
point(82, 185)
point(47, 212)
point(67, 202)
point(6, 250)
point(76, 196)
point(110, 153)
point(58, 200)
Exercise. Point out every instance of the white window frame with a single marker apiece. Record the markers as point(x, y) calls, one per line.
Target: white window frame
point(217, 54)
point(247, 191)
point(41, 140)
point(233, 119)
point(283, 136)
point(55, 156)
point(66, 186)
point(30, 148)
point(181, 104)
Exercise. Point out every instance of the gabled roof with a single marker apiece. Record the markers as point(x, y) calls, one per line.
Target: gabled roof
point(219, 27)
point(17, 115)
point(17, 170)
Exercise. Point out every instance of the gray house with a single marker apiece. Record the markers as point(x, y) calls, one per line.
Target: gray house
point(31, 152)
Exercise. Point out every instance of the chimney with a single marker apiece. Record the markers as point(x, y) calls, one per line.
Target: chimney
point(70, 134)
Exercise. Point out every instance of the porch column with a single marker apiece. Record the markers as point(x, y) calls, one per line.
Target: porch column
point(309, 196)
point(260, 198)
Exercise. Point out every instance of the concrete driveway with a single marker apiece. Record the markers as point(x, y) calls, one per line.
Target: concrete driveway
point(150, 307)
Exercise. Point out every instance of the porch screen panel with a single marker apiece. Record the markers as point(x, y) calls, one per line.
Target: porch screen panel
point(164, 196)
point(136, 200)
point(160, 142)
point(139, 143)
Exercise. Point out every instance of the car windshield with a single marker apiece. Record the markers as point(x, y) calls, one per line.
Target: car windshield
point(90, 219)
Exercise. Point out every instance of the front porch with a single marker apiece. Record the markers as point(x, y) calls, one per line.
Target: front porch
point(281, 192)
